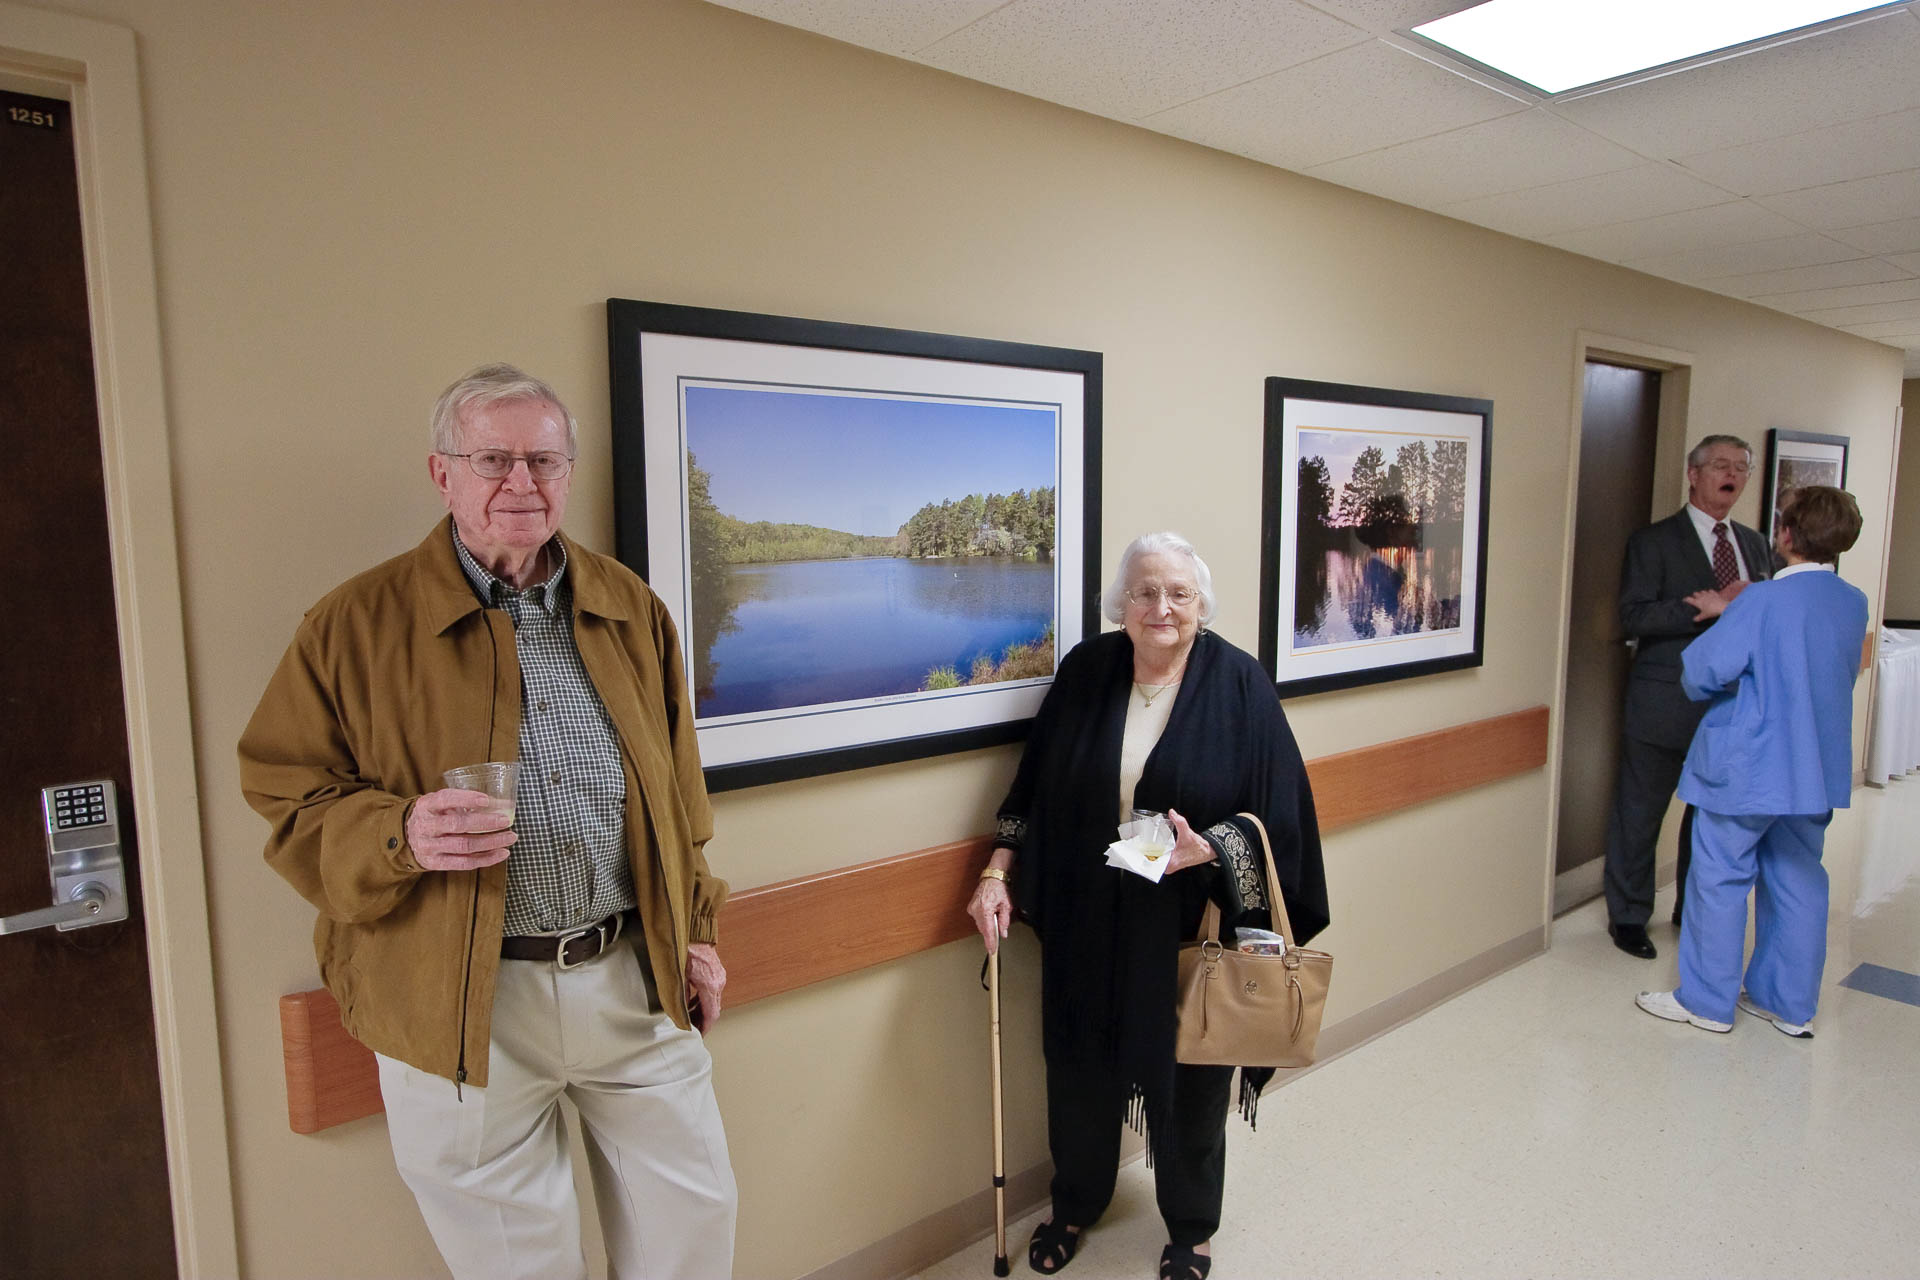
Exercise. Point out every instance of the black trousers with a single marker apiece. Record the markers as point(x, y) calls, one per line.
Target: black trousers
point(1648, 775)
point(1686, 861)
point(1086, 1107)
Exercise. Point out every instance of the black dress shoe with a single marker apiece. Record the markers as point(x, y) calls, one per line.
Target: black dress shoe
point(1633, 939)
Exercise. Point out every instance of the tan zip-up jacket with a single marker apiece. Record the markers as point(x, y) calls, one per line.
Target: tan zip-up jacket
point(400, 674)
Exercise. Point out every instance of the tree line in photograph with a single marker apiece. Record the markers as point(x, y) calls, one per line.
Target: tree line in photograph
point(1018, 524)
point(1388, 503)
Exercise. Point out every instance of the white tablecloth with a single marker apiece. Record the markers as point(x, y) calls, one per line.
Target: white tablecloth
point(1895, 745)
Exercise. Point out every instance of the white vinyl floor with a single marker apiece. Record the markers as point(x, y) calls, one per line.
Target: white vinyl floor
point(1541, 1125)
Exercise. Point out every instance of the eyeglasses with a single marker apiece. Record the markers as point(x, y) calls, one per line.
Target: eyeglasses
point(1737, 468)
point(497, 464)
point(1178, 597)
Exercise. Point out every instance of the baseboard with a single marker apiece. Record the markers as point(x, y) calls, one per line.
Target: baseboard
point(916, 1247)
point(1577, 886)
point(939, 1235)
point(1350, 1033)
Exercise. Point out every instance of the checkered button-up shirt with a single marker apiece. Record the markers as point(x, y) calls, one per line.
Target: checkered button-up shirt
point(569, 866)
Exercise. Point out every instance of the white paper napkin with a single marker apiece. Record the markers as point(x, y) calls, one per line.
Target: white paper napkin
point(1126, 854)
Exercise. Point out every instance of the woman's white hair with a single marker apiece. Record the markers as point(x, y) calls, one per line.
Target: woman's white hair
point(1114, 602)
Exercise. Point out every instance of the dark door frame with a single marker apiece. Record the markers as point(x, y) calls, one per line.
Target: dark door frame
point(93, 65)
point(1669, 490)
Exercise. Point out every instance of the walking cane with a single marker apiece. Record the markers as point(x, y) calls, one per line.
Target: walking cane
point(999, 1126)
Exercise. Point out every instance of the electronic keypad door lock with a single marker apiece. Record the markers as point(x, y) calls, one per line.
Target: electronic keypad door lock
point(83, 860)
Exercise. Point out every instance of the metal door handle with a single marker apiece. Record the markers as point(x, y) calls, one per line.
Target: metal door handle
point(88, 900)
point(84, 861)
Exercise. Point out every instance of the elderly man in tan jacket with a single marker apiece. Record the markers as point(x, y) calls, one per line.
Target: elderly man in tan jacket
point(495, 962)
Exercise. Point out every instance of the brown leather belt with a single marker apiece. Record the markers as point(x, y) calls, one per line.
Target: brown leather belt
point(568, 950)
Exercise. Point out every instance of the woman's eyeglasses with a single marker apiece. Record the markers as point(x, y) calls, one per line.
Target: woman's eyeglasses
point(1178, 597)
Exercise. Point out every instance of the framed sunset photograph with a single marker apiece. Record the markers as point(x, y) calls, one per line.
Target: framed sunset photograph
point(1374, 534)
point(875, 543)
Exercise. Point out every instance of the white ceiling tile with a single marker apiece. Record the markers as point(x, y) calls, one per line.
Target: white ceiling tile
point(1899, 236)
point(900, 27)
point(1530, 149)
point(1130, 58)
point(1864, 315)
point(1803, 250)
point(1830, 275)
point(1886, 198)
point(1733, 223)
point(1647, 190)
point(1885, 330)
point(1906, 261)
point(1350, 101)
point(1846, 296)
point(1382, 16)
point(1857, 149)
point(1863, 70)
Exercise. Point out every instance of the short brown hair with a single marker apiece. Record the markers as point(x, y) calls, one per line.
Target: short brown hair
point(1821, 521)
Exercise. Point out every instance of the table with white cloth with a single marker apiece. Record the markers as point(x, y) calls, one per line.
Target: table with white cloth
point(1894, 747)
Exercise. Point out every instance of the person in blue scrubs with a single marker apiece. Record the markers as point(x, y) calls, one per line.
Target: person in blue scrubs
point(1772, 760)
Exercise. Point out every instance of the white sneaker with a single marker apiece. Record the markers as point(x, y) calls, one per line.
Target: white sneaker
point(1798, 1030)
point(1662, 1004)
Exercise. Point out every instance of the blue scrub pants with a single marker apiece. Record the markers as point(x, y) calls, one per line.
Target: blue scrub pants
point(1778, 859)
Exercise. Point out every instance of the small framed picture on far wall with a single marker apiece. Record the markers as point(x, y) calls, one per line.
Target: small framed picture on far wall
point(1796, 459)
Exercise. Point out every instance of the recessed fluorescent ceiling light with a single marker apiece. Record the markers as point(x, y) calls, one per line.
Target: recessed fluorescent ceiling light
point(1555, 45)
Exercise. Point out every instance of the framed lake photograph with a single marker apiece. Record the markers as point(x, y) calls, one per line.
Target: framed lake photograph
point(1373, 559)
point(876, 543)
point(1796, 458)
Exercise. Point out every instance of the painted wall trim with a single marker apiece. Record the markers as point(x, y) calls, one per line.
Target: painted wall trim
point(95, 66)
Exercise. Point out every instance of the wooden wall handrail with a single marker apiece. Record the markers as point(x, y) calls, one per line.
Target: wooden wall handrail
point(780, 937)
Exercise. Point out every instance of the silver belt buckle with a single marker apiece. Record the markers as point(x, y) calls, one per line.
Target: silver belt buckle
point(607, 939)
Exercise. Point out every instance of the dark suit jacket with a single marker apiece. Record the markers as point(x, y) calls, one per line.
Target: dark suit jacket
point(1665, 564)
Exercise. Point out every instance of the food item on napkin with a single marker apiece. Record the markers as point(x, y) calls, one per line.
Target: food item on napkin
point(1143, 846)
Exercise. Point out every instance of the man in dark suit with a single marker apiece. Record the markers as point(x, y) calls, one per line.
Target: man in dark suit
point(1680, 573)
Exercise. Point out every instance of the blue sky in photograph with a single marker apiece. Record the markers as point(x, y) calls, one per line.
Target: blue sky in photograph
point(859, 464)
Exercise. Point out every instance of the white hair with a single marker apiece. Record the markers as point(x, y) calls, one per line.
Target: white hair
point(484, 387)
point(1114, 602)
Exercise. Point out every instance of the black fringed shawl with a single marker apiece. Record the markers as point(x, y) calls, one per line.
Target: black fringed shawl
point(1109, 937)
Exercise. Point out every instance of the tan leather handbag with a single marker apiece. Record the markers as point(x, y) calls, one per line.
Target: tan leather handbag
point(1247, 1010)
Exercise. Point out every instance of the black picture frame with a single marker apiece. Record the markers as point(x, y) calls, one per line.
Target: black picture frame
point(1322, 586)
point(1806, 457)
point(664, 357)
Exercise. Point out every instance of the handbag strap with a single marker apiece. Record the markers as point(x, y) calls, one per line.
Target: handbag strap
point(1276, 902)
point(1210, 922)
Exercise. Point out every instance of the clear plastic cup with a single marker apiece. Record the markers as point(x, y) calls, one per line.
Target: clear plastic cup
point(1152, 834)
point(498, 780)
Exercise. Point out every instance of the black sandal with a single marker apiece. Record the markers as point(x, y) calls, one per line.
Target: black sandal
point(1177, 1262)
point(1052, 1247)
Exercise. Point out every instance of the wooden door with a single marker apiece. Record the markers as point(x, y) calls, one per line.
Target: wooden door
point(1619, 422)
point(83, 1172)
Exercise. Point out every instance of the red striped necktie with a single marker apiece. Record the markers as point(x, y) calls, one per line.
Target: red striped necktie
point(1726, 570)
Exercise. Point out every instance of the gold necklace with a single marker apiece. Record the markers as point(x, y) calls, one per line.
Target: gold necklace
point(1146, 699)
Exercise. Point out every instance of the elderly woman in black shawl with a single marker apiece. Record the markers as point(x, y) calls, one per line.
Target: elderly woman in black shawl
point(1160, 715)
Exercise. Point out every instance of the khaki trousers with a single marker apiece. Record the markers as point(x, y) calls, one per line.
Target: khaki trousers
point(490, 1167)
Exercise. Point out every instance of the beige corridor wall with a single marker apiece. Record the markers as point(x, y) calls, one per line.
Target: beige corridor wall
point(355, 201)
point(1903, 557)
